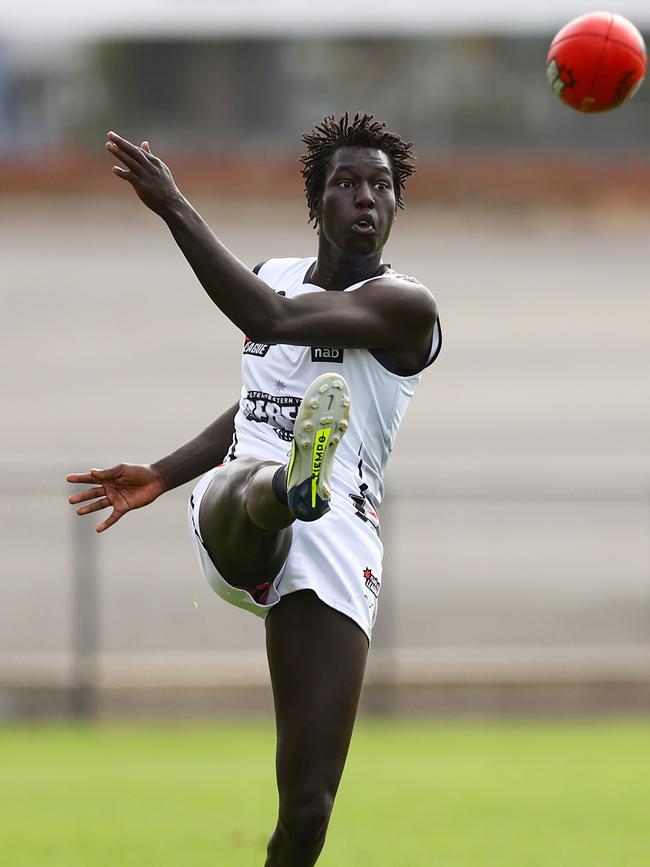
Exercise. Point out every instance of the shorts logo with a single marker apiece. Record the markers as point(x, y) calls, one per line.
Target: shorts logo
point(277, 411)
point(257, 349)
point(331, 354)
point(372, 583)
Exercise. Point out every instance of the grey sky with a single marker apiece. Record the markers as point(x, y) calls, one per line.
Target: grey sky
point(40, 19)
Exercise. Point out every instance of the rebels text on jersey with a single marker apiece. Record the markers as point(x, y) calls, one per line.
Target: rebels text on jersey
point(277, 412)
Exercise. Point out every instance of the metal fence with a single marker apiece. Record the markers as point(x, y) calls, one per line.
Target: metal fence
point(494, 578)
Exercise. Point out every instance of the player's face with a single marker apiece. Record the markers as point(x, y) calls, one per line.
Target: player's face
point(358, 205)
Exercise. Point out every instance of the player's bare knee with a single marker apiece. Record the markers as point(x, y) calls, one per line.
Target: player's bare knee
point(223, 507)
point(304, 819)
point(252, 472)
point(235, 483)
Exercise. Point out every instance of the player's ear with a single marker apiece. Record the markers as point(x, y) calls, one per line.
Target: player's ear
point(315, 213)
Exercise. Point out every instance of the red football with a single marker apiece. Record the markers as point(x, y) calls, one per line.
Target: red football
point(596, 62)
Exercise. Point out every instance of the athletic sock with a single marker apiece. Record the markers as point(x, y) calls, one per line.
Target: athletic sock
point(279, 485)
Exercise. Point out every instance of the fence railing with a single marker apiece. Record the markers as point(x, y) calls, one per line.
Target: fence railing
point(453, 610)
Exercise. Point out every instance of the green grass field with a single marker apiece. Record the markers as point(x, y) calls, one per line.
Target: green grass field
point(449, 795)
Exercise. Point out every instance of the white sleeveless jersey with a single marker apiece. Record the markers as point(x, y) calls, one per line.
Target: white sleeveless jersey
point(275, 378)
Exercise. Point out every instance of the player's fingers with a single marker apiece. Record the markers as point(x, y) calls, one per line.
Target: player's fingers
point(126, 147)
point(81, 478)
point(146, 147)
point(112, 519)
point(100, 475)
point(125, 174)
point(104, 503)
point(129, 161)
point(89, 494)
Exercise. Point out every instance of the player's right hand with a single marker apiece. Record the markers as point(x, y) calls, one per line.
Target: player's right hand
point(123, 487)
point(147, 174)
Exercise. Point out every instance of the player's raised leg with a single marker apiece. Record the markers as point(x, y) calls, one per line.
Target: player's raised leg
point(317, 658)
point(244, 525)
point(247, 511)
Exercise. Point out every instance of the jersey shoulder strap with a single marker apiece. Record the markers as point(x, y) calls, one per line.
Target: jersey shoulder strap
point(281, 274)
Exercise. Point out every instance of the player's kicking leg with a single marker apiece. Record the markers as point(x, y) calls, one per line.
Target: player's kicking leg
point(247, 511)
point(317, 658)
point(316, 655)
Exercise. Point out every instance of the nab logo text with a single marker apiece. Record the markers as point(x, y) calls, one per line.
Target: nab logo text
point(327, 353)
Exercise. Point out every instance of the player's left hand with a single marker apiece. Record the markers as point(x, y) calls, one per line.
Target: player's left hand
point(147, 174)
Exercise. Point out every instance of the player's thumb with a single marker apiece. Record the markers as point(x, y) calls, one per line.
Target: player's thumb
point(145, 147)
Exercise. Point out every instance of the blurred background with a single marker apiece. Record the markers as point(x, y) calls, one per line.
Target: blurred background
point(517, 519)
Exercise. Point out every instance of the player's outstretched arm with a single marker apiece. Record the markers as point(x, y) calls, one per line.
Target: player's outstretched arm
point(200, 454)
point(239, 293)
point(389, 314)
point(126, 487)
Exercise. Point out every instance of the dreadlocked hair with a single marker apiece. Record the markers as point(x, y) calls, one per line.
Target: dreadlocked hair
point(363, 131)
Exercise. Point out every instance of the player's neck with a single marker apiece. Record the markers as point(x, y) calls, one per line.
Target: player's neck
point(336, 272)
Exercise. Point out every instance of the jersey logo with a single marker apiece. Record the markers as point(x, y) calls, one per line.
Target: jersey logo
point(257, 349)
point(278, 412)
point(330, 354)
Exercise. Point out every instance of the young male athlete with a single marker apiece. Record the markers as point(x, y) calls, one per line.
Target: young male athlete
point(284, 518)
